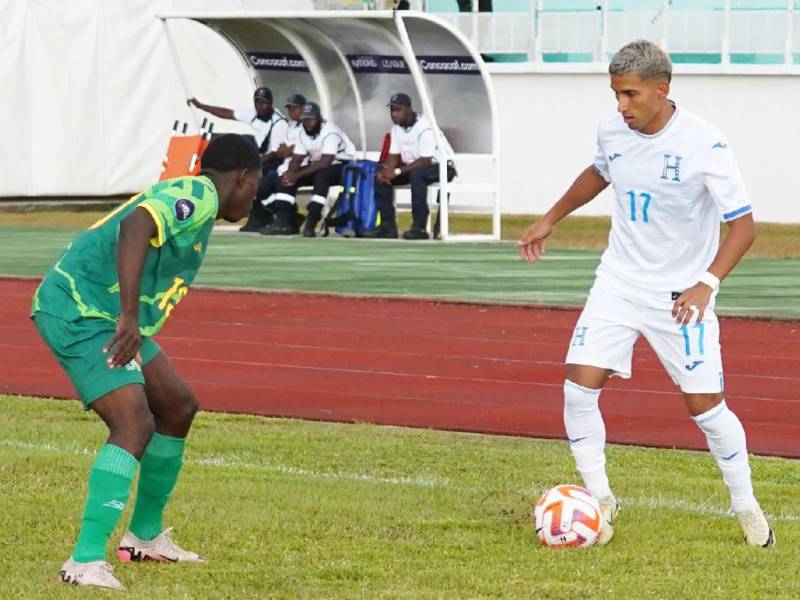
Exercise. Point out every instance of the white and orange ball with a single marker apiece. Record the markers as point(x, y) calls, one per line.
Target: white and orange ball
point(567, 516)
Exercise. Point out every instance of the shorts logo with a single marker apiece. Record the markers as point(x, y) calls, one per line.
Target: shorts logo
point(675, 295)
point(579, 337)
point(133, 366)
point(694, 365)
point(184, 208)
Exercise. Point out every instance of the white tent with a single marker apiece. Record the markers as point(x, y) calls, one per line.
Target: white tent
point(90, 92)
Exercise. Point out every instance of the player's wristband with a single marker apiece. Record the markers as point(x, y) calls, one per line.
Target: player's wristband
point(710, 280)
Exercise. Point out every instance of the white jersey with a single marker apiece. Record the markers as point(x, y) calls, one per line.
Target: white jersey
point(273, 131)
point(291, 140)
point(671, 189)
point(329, 140)
point(417, 141)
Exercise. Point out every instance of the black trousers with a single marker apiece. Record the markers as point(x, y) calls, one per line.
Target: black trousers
point(268, 185)
point(322, 181)
point(259, 214)
point(419, 178)
point(466, 5)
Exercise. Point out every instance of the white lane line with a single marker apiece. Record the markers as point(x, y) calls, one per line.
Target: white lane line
point(429, 481)
point(227, 463)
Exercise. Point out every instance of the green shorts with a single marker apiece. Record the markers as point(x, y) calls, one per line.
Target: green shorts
point(78, 346)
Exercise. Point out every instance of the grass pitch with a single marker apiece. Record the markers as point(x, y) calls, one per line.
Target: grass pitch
point(289, 509)
point(491, 273)
point(773, 240)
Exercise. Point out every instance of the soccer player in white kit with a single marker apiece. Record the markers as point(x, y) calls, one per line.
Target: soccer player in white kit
point(674, 176)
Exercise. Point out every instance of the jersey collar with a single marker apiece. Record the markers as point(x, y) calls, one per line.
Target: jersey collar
point(664, 129)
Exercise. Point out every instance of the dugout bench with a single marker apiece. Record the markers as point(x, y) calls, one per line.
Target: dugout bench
point(351, 62)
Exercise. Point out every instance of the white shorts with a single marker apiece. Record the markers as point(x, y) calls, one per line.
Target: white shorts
point(610, 325)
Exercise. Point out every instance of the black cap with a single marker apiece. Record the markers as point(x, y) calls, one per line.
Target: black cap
point(263, 93)
point(296, 100)
point(400, 99)
point(310, 110)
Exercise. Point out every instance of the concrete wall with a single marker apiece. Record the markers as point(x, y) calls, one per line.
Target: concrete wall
point(549, 127)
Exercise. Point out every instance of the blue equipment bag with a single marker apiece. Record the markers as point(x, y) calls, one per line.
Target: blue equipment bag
point(355, 211)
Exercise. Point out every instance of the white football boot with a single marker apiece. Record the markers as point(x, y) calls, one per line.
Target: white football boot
point(609, 507)
point(159, 549)
point(757, 531)
point(97, 573)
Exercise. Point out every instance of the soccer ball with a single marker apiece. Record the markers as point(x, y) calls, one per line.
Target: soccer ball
point(567, 516)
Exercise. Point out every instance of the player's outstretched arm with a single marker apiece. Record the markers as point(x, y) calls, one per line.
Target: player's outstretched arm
point(588, 184)
point(741, 233)
point(135, 232)
point(217, 111)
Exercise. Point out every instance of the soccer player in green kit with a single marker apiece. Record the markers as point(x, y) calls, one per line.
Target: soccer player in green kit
point(97, 309)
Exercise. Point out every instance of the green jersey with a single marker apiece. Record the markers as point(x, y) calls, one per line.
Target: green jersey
point(84, 282)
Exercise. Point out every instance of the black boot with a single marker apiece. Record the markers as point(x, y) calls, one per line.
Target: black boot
point(387, 230)
point(417, 232)
point(312, 218)
point(258, 218)
point(283, 221)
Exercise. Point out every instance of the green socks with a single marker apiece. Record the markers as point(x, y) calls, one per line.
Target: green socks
point(161, 463)
point(109, 488)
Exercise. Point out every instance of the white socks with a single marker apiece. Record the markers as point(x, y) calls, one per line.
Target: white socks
point(587, 439)
point(727, 443)
point(587, 436)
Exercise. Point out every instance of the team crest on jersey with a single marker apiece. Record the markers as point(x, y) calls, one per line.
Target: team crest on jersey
point(184, 208)
point(672, 167)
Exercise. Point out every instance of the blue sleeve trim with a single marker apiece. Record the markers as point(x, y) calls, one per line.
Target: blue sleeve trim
point(737, 213)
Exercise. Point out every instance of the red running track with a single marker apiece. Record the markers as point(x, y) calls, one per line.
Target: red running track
point(491, 369)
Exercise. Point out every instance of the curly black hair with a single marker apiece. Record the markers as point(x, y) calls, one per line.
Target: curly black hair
point(230, 152)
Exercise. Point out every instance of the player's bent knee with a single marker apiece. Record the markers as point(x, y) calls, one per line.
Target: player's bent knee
point(147, 428)
point(697, 404)
point(190, 407)
point(181, 414)
point(134, 435)
point(588, 376)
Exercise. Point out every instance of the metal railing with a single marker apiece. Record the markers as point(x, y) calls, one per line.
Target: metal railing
point(495, 33)
point(729, 35)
